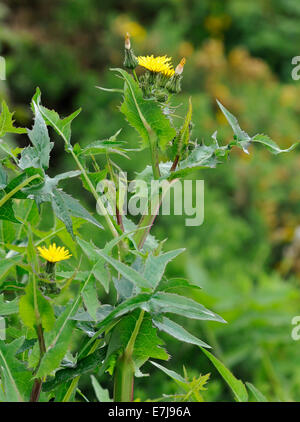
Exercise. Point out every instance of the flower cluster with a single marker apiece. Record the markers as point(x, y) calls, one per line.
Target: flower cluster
point(160, 79)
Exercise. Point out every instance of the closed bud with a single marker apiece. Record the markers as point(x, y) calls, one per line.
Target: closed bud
point(180, 66)
point(174, 83)
point(130, 61)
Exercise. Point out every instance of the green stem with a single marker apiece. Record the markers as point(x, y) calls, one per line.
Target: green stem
point(154, 155)
point(124, 371)
point(135, 76)
point(37, 385)
point(17, 188)
point(96, 196)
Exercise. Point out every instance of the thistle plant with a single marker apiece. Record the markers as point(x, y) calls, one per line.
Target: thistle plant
point(53, 282)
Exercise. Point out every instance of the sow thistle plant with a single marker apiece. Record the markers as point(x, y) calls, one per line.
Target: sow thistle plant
point(52, 281)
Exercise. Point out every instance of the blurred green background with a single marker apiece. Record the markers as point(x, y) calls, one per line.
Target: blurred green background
point(246, 255)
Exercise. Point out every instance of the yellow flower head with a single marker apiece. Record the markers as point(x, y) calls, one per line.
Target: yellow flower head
point(54, 253)
point(157, 64)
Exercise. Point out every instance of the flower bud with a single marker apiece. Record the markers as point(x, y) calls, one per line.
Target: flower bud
point(174, 83)
point(130, 61)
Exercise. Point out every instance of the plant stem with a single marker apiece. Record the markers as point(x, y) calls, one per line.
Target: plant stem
point(124, 372)
point(96, 196)
point(37, 386)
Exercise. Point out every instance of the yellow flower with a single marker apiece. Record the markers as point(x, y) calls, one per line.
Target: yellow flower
point(54, 253)
point(157, 64)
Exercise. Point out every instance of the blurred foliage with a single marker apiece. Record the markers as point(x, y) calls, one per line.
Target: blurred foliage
point(246, 255)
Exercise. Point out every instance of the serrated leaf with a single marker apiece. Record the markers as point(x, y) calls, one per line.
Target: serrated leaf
point(77, 210)
point(175, 330)
point(238, 388)
point(61, 210)
point(242, 137)
point(37, 156)
point(52, 118)
point(7, 122)
point(270, 144)
point(144, 115)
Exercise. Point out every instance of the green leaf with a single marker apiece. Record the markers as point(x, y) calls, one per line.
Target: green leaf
point(181, 140)
point(3, 177)
point(77, 210)
point(57, 341)
point(95, 178)
point(8, 308)
point(238, 388)
point(110, 145)
point(37, 156)
point(90, 298)
point(52, 118)
point(7, 212)
point(172, 374)
point(61, 210)
point(271, 145)
point(27, 309)
point(127, 272)
point(90, 363)
point(97, 255)
point(7, 122)
point(244, 140)
point(101, 393)
point(144, 115)
point(146, 345)
point(175, 330)
point(102, 274)
point(16, 382)
point(259, 397)
point(162, 302)
point(155, 266)
point(242, 137)
point(7, 263)
point(139, 301)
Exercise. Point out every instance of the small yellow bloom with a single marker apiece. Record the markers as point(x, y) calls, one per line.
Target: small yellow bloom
point(54, 253)
point(160, 64)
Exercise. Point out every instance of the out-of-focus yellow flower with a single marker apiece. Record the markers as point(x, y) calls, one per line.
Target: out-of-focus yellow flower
point(289, 95)
point(54, 253)
point(185, 49)
point(123, 24)
point(247, 67)
point(159, 64)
